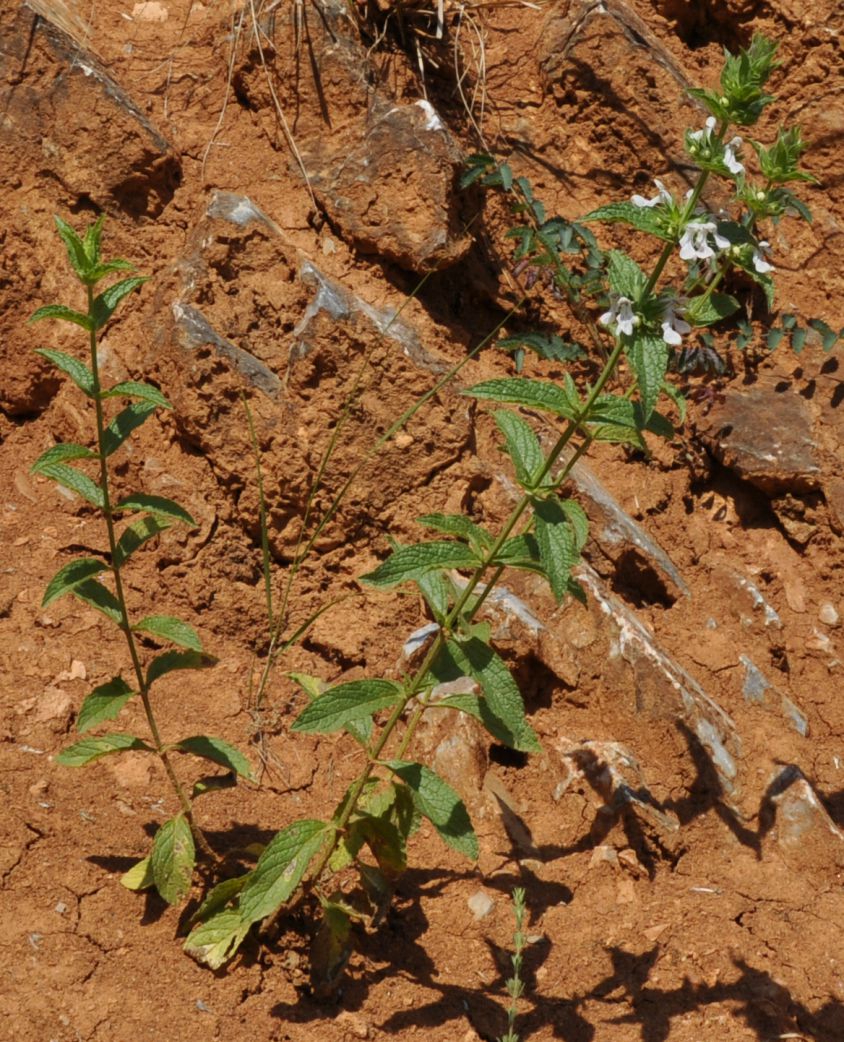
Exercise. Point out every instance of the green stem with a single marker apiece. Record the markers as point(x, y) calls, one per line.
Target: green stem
point(125, 624)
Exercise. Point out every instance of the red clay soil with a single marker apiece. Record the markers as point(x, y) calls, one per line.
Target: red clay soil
point(711, 907)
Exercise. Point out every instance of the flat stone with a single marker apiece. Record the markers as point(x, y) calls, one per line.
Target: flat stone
point(765, 436)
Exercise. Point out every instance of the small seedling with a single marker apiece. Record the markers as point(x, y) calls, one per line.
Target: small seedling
point(515, 984)
point(131, 520)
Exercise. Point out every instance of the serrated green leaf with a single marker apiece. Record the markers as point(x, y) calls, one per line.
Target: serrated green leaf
point(534, 394)
point(76, 254)
point(440, 804)
point(522, 446)
point(126, 421)
point(93, 593)
point(476, 659)
point(61, 453)
point(798, 339)
point(72, 367)
point(409, 563)
point(341, 705)
point(774, 337)
point(91, 240)
point(616, 434)
point(156, 505)
point(103, 703)
point(100, 271)
point(460, 527)
point(217, 751)
point(139, 876)
point(280, 868)
point(828, 336)
point(625, 276)
point(614, 409)
point(214, 942)
point(219, 896)
point(521, 551)
point(550, 347)
point(578, 520)
point(69, 576)
point(169, 661)
point(169, 628)
point(63, 314)
point(106, 302)
point(648, 357)
point(172, 859)
point(557, 549)
point(73, 479)
point(436, 589)
point(710, 307)
point(89, 749)
point(135, 535)
point(142, 391)
point(645, 218)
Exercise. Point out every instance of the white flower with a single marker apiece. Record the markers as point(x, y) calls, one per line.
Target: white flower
point(730, 161)
point(694, 241)
point(702, 136)
point(621, 312)
point(674, 328)
point(663, 196)
point(759, 262)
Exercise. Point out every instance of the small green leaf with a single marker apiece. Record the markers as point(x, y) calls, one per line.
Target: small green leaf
point(409, 563)
point(578, 520)
point(217, 751)
point(774, 337)
point(460, 527)
point(522, 446)
point(550, 347)
point(828, 336)
point(63, 314)
point(143, 392)
point(648, 356)
point(105, 304)
point(214, 942)
point(798, 339)
point(557, 549)
point(61, 453)
point(645, 218)
point(436, 588)
point(331, 947)
point(172, 859)
point(89, 749)
point(100, 271)
point(103, 703)
point(156, 505)
point(534, 394)
point(219, 896)
point(124, 423)
point(169, 628)
point(91, 241)
point(280, 868)
point(213, 783)
point(70, 478)
point(135, 535)
point(139, 876)
point(169, 661)
point(625, 276)
point(312, 686)
point(710, 307)
point(521, 551)
point(76, 370)
point(69, 576)
point(440, 804)
point(93, 592)
point(76, 254)
point(346, 703)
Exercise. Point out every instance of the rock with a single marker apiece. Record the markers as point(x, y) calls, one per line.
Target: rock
point(765, 435)
point(457, 747)
point(828, 615)
point(481, 904)
point(756, 689)
point(802, 828)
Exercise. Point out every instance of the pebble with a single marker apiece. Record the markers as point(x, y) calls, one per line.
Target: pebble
point(480, 904)
point(828, 615)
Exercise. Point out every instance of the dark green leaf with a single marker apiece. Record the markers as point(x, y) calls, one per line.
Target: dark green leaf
point(89, 749)
point(440, 804)
point(460, 527)
point(710, 307)
point(124, 423)
point(168, 661)
point(107, 301)
point(61, 453)
point(73, 479)
point(557, 549)
point(76, 370)
point(346, 703)
point(648, 356)
point(521, 551)
point(139, 876)
point(135, 535)
point(103, 703)
point(522, 446)
point(169, 628)
point(91, 241)
point(217, 751)
point(214, 942)
point(143, 392)
point(552, 348)
point(280, 868)
point(410, 563)
point(219, 896)
point(100, 271)
point(172, 859)
point(645, 218)
point(64, 314)
point(157, 505)
point(69, 576)
point(534, 394)
point(93, 592)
